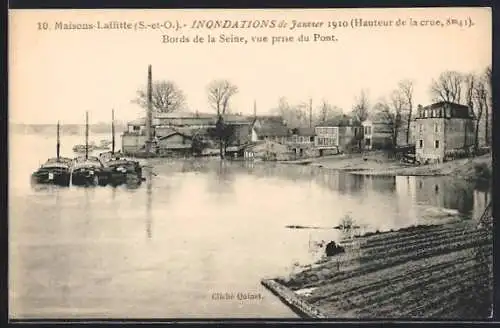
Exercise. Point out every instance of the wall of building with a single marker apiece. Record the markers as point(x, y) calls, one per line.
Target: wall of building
point(186, 121)
point(428, 132)
point(243, 134)
point(139, 129)
point(132, 143)
point(327, 137)
point(402, 134)
point(173, 141)
point(254, 137)
point(459, 133)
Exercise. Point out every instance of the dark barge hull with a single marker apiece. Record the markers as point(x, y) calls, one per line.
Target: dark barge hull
point(85, 179)
point(62, 179)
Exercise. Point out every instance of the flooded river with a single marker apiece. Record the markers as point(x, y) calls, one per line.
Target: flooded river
point(196, 232)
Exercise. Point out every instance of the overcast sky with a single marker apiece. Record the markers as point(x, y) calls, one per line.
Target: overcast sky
point(58, 75)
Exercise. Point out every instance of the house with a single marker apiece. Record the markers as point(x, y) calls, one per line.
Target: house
point(301, 141)
point(135, 136)
point(175, 143)
point(401, 140)
point(266, 150)
point(192, 123)
point(442, 130)
point(132, 142)
point(337, 135)
point(271, 128)
point(137, 126)
point(179, 119)
point(377, 132)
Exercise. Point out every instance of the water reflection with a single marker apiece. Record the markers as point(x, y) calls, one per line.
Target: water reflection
point(149, 202)
point(92, 249)
point(223, 179)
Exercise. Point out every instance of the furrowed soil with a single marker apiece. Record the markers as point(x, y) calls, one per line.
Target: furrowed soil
point(439, 271)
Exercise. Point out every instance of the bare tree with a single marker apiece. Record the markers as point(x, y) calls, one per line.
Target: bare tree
point(294, 115)
point(488, 81)
point(448, 87)
point(166, 96)
point(361, 107)
point(470, 81)
point(398, 102)
point(220, 93)
point(406, 89)
point(327, 111)
point(480, 97)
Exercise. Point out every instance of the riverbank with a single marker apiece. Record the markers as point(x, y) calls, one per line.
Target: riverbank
point(378, 163)
point(438, 271)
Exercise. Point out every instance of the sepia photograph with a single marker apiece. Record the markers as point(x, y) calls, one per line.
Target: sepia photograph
point(256, 163)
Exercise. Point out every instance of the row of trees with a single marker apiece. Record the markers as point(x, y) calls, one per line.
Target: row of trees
point(398, 108)
point(471, 89)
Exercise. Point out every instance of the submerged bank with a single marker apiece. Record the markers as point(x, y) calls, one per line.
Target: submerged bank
point(377, 163)
point(437, 271)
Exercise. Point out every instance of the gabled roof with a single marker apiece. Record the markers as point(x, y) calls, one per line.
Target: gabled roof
point(166, 136)
point(138, 121)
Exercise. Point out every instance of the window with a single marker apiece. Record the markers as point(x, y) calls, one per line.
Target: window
point(421, 128)
point(436, 143)
point(311, 139)
point(137, 128)
point(421, 143)
point(436, 127)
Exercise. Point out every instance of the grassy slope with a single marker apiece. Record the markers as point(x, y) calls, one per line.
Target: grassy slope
point(436, 271)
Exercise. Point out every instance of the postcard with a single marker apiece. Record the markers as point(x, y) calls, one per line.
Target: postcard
point(263, 163)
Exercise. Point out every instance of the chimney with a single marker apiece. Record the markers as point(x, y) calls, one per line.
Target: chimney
point(419, 111)
point(149, 117)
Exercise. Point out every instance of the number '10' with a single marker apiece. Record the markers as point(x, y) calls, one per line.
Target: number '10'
point(43, 26)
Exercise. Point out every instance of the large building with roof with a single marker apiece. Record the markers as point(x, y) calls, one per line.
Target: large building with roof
point(337, 134)
point(443, 129)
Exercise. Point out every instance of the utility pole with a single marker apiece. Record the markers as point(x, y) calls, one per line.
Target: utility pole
point(255, 109)
point(149, 117)
point(58, 146)
point(86, 135)
point(310, 112)
point(112, 131)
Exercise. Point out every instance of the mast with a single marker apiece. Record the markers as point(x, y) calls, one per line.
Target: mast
point(87, 135)
point(149, 117)
point(310, 112)
point(58, 146)
point(112, 131)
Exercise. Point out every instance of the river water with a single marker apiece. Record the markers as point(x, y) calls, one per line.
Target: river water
point(195, 229)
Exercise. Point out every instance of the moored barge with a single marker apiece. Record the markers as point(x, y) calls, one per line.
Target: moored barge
point(55, 170)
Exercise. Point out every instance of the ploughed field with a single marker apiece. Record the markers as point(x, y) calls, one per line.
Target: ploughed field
point(440, 271)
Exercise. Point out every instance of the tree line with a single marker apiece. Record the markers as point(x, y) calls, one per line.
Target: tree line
point(397, 108)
